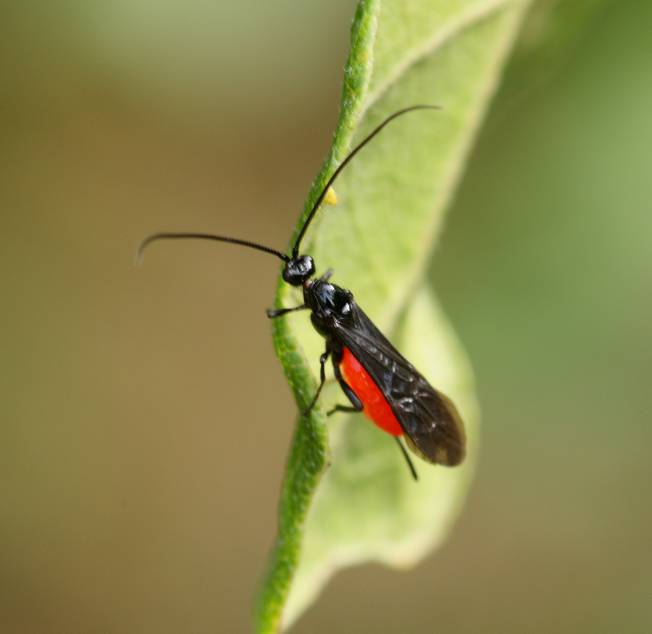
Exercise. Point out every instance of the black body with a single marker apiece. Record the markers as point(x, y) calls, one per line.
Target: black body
point(430, 422)
point(432, 426)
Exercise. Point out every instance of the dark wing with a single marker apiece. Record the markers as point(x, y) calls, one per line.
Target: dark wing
point(433, 428)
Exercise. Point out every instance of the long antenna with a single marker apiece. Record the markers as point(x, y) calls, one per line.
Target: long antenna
point(205, 236)
point(342, 165)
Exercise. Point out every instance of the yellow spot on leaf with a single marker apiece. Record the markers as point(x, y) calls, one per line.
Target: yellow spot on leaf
point(331, 197)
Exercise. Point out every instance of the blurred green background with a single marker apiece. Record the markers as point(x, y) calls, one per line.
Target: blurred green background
point(144, 418)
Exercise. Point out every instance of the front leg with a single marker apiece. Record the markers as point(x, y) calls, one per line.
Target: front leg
point(356, 403)
point(272, 313)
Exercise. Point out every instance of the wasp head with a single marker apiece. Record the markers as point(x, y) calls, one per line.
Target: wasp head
point(298, 270)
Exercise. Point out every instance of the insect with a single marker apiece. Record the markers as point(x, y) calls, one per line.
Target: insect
point(373, 375)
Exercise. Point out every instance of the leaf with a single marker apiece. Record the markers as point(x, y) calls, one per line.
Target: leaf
point(551, 31)
point(553, 27)
point(378, 239)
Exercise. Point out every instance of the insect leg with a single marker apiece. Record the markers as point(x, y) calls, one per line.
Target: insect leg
point(349, 409)
point(326, 276)
point(272, 313)
point(406, 455)
point(356, 403)
point(322, 379)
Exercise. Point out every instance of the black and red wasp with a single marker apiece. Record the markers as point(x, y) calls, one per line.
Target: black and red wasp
point(372, 373)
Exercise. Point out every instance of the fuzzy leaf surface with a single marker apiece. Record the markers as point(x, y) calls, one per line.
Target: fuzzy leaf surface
point(378, 239)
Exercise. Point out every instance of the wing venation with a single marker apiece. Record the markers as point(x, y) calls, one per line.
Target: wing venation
point(433, 427)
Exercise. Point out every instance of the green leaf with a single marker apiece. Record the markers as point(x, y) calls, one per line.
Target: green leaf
point(378, 238)
point(551, 31)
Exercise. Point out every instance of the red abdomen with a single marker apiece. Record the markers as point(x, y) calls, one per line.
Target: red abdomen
point(375, 404)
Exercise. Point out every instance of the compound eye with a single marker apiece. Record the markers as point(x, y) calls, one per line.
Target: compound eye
point(306, 265)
